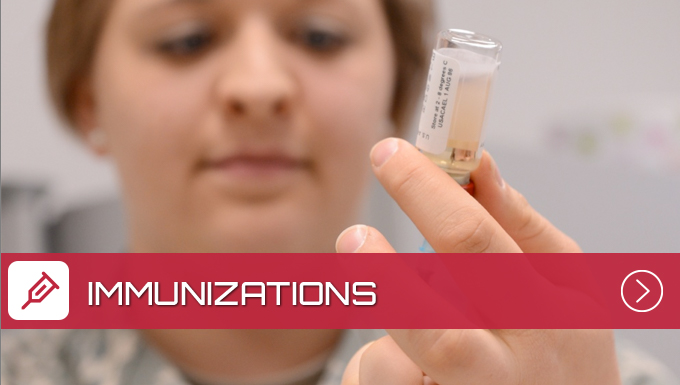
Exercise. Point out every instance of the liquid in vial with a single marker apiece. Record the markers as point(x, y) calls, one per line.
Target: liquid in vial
point(451, 129)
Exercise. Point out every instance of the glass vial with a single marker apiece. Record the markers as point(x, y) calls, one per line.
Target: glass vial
point(463, 68)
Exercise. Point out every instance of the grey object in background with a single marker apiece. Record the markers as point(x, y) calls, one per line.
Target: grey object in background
point(663, 345)
point(94, 228)
point(24, 213)
point(28, 227)
point(604, 209)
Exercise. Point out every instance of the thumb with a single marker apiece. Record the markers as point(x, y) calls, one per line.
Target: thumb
point(362, 239)
point(382, 362)
point(529, 229)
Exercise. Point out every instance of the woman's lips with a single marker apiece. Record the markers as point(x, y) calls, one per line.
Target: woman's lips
point(257, 176)
point(253, 166)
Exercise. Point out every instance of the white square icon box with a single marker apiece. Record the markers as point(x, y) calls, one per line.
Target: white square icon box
point(37, 290)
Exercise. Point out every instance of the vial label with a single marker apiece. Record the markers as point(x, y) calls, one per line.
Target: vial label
point(440, 94)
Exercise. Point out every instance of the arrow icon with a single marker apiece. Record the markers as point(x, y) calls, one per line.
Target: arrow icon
point(644, 287)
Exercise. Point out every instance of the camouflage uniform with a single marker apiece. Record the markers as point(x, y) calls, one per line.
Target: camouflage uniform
point(121, 357)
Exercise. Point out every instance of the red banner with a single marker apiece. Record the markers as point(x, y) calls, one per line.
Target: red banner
point(496, 291)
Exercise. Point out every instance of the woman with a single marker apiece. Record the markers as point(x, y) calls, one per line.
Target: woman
point(246, 126)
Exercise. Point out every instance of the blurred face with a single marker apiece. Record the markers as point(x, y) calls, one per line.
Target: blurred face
point(242, 125)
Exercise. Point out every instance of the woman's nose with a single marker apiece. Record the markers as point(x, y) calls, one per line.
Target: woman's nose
point(256, 82)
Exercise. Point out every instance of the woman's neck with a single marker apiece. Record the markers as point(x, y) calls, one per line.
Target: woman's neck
point(242, 356)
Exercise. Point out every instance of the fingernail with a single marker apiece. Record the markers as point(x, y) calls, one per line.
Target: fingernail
point(383, 151)
point(351, 239)
point(497, 174)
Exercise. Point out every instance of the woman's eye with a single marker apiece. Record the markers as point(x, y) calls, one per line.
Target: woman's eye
point(187, 45)
point(322, 41)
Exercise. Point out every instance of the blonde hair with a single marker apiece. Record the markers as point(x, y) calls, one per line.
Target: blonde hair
point(74, 28)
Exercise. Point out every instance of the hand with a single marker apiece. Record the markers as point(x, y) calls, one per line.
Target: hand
point(507, 357)
point(496, 219)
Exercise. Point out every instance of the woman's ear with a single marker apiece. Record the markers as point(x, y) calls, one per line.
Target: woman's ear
point(97, 140)
point(85, 119)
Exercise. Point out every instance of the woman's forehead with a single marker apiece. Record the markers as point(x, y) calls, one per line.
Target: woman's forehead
point(149, 6)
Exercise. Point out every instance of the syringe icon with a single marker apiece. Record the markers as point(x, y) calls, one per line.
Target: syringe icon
point(40, 290)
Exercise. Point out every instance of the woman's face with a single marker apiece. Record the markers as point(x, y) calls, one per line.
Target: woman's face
point(242, 125)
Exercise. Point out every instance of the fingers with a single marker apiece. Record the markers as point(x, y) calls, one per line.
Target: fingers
point(351, 374)
point(382, 362)
point(365, 239)
point(468, 356)
point(449, 218)
point(362, 239)
point(531, 231)
point(499, 220)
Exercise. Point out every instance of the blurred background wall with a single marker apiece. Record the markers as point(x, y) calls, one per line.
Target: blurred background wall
point(585, 121)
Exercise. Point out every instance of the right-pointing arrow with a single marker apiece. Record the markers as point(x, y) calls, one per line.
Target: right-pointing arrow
point(646, 292)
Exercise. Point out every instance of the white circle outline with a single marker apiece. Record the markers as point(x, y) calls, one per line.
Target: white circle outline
point(624, 298)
